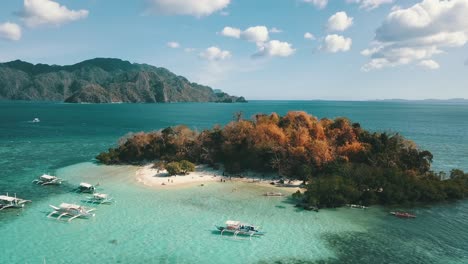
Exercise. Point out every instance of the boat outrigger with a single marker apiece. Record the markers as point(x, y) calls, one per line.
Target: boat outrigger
point(7, 201)
point(86, 188)
point(403, 214)
point(46, 179)
point(239, 228)
point(100, 198)
point(71, 210)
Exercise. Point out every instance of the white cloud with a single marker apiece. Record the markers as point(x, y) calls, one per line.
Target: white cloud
point(231, 32)
point(275, 30)
point(215, 54)
point(275, 48)
point(224, 13)
point(336, 43)
point(370, 4)
point(196, 8)
point(429, 64)
point(317, 3)
point(417, 33)
point(173, 45)
point(42, 12)
point(309, 35)
point(10, 31)
point(339, 22)
point(257, 34)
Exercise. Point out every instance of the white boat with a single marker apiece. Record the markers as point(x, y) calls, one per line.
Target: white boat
point(71, 210)
point(273, 194)
point(239, 228)
point(36, 120)
point(100, 198)
point(7, 201)
point(47, 179)
point(86, 187)
point(357, 206)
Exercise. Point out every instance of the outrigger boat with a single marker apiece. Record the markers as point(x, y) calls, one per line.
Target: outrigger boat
point(239, 228)
point(273, 194)
point(7, 201)
point(71, 210)
point(46, 179)
point(357, 206)
point(403, 214)
point(86, 188)
point(100, 198)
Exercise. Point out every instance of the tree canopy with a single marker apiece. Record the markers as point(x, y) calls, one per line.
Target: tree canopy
point(342, 162)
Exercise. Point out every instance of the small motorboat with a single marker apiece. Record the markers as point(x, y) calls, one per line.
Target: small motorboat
point(358, 206)
point(403, 214)
point(36, 120)
point(273, 194)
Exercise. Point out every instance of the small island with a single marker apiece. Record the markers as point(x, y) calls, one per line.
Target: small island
point(338, 161)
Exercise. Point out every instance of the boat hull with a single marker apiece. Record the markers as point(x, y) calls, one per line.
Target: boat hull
point(238, 232)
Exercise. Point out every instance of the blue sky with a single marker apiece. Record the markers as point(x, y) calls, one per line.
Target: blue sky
point(392, 49)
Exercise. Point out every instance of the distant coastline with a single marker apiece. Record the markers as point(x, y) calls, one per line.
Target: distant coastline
point(103, 80)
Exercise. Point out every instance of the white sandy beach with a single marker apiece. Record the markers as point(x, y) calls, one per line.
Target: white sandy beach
point(203, 175)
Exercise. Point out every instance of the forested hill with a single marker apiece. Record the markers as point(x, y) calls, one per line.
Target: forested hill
point(341, 162)
point(101, 80)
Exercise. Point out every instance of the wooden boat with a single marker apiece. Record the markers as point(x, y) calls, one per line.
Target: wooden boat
point(7, 201)
point(71, 210)
point(273, 194)
point(46, 179)
point(86, 188)
point(238, 228)
point(403, 214)
point(99, 198)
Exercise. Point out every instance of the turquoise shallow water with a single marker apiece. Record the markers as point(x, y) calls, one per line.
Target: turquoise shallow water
point(163, 226)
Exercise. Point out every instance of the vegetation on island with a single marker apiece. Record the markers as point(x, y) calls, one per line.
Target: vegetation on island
point(339, 161)
point(183, 167)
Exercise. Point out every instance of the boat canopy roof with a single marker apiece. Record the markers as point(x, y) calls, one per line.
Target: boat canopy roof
point(48, 177)
point(233, 223)
point(8, 198)
point(236, 223)
point(100, 195)
point(69, 206)
point(86, 185)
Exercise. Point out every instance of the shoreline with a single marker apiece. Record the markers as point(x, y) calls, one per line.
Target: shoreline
point(159, 179)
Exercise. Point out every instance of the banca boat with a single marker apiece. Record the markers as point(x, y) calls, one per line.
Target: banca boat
point(86, 188)
point(71, 210)
point(99, 198)
point(238, 228)
point(46, 179)
point(7, 201)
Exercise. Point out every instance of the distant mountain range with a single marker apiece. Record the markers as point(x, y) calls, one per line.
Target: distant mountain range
point(452, 100)
point(102, 80)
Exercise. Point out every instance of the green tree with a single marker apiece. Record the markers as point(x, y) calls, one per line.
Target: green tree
point(173, 168)
point(186, 166)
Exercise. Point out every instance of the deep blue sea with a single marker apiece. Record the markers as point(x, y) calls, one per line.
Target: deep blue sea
point(174, 226)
